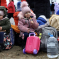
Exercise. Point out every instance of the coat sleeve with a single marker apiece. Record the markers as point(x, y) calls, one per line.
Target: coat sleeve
point(22, 27)
point(7, 25)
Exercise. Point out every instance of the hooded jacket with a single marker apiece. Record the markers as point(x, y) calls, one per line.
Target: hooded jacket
point(11, 7)
point(54, 21)
point(5, 23)
point(16, 18)
point(24, 24)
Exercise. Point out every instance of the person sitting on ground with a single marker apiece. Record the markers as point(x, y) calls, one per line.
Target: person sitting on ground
point(27, 21)
point(16, 13)
point(4, 21)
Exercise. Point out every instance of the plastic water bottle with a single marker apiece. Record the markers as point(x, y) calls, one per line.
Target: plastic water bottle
point(58, 45)
point(52, 47)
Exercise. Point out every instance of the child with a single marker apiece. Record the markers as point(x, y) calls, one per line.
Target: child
point(16, 13)
point(16, 31)
point(4, 21)
point(27, 21)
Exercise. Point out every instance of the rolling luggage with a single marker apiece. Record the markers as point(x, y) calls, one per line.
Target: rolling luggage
point(32, 44)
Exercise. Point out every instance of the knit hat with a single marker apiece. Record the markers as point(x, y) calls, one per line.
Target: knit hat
point(57, 12)
point(18, 6)
point(25, 8)
point(43, 16)
point(1, 12)
point(41, 20)
point(24, 3)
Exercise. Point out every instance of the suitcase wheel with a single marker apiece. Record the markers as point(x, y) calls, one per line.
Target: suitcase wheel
point(24, 51)
point(35, 51)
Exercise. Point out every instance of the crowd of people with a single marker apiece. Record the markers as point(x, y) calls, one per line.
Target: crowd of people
point(27, 18)
point(54, 7)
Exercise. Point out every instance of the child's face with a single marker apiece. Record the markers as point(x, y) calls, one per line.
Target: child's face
point(1, 17)
point(27, 14)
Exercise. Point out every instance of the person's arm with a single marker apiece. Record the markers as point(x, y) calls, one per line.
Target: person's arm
point(22, 27)
point(7, 25)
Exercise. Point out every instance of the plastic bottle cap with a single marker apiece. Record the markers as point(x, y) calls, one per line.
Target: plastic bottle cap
point(51, 36)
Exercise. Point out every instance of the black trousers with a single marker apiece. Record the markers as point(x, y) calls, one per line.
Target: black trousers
point(10, 15)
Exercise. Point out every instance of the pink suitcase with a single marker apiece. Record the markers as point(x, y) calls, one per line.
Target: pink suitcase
point(32, 44)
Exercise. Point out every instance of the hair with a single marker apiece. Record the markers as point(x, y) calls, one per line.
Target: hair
point(52, 2)
point(12, 0)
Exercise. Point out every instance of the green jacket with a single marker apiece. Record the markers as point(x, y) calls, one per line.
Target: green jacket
point(5, 22)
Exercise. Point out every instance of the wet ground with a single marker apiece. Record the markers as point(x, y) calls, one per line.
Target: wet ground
point(16, 53)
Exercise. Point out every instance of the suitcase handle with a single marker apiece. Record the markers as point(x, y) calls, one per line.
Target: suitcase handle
point(31, 33)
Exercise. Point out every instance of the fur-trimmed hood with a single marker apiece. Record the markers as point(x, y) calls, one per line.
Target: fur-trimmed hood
point(20, 15)
point(4, 9)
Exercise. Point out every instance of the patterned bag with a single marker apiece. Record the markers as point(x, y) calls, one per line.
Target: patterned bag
point(7, 42)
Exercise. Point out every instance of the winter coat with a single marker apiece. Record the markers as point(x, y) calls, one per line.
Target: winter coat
point(5, 23)
point(15, 28)
point(52, 7)
point(43, 22)
point(11, 7)
point(25, 24)
point(3, 3)
point(40, 7)
point(23, 0)
point(16, 18)
point(54, 21)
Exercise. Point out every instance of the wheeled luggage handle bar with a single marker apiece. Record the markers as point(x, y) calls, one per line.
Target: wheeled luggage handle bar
point(31, 33)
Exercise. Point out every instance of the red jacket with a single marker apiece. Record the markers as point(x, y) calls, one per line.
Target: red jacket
point(11, 7)
point(16, 18)
point(3, 3)
point(23, 0)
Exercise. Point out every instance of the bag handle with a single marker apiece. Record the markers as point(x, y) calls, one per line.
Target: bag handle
point(31, 33)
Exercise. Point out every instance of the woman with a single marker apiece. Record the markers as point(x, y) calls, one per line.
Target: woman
point(52, 8)
point(11, 9)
